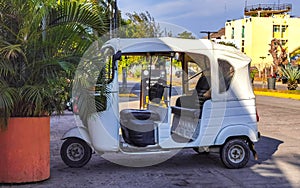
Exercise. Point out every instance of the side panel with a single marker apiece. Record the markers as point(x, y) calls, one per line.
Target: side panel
point(104, 126)
point(103, 129)
point(236, 130)
point(217, 116)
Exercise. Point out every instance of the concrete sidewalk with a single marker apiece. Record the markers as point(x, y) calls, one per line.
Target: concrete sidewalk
point(278, 85)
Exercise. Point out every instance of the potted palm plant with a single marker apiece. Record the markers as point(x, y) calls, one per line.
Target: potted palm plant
point(292, 74)
point(41, 42)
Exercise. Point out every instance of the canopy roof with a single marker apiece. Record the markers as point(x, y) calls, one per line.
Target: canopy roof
point(169, 44)
point(240, 87)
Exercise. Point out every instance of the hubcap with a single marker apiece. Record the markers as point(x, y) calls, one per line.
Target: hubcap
point(236, 154)
point(75, 152)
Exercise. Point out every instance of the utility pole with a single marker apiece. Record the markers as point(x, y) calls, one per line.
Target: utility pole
point(115, 17)
point(208, 33)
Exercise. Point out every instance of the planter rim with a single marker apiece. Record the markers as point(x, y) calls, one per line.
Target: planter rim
point(15, 117)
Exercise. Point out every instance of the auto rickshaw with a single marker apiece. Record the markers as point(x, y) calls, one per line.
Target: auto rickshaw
point(212, 110)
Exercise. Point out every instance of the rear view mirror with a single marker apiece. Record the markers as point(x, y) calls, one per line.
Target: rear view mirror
point(117, 56)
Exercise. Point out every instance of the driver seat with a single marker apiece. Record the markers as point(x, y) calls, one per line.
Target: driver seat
point(196, 100)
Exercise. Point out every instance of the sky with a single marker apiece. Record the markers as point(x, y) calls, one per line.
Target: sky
point(197, 15)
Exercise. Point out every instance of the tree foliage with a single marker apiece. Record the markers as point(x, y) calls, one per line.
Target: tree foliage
point(41, 43)
point(186, 35)
point(228, 44)
point(278, 53)
point(139, 25)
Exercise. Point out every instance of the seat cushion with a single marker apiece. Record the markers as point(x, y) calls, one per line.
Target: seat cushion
point(140, 125)
point(188, 112)
point(139, 114)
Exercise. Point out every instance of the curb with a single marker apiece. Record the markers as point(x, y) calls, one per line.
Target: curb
point(278, 95)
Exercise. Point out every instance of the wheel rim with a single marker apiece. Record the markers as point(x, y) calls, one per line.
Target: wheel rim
point(75, 152)
point(236, 154)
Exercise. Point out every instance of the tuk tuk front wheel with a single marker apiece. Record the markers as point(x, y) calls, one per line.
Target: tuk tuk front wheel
point(235, 153)
point(75, 152)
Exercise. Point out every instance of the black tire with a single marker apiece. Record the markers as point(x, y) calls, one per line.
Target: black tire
point(75, 152)
point(235, 153)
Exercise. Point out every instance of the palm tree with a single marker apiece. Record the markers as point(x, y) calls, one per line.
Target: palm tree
point(41, 42)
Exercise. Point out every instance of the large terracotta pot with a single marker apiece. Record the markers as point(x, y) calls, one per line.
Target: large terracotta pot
point(25, 150)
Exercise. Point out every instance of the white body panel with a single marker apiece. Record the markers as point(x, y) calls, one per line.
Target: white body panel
point(230, 113)
point(220, 120)
point(78, 132)
point(104, 126)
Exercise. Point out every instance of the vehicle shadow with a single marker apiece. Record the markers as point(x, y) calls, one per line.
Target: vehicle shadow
point(266, 147)
point(185, 168)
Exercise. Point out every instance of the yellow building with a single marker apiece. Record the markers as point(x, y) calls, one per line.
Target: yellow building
point(261, 23)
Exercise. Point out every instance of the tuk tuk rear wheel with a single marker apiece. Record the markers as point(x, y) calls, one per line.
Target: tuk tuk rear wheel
point(75, 152)
point(235, 153)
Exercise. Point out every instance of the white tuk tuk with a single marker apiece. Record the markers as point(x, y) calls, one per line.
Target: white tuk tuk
point(194, 94)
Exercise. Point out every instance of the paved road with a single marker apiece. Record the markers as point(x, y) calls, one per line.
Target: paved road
point(278, 164)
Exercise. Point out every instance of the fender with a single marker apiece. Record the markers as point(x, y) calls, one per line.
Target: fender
point(236, 130)
point(78, 132)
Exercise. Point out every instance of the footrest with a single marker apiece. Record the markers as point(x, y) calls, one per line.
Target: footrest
point(138, 126)
point(139, 132)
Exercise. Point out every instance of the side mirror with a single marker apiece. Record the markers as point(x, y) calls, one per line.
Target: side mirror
point(117, 56)
point(177, 56)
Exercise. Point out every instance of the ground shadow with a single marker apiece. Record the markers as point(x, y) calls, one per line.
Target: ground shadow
point(266, 147)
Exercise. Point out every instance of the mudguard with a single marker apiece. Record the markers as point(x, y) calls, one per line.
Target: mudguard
point(78, 132)
point(236, 130)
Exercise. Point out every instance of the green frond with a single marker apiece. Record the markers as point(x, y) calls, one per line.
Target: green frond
point(11, 52)
point(41, 44)
point(8, 96)
point(33, 97)
point(5, 69)
point(292, 73)
point(77, 13)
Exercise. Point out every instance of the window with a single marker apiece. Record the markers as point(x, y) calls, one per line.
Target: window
point(226, 73)
point(193, 76)
point(276, 28)
point(284, 28)
point(243, 49)
point(283, 31)
point(232, 33)
point(196, 66)
point(276, 31)
point(106, 66)
point(243, 31)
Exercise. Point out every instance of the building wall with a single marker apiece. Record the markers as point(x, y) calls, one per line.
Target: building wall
point(293, 34)
point(258, 33)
